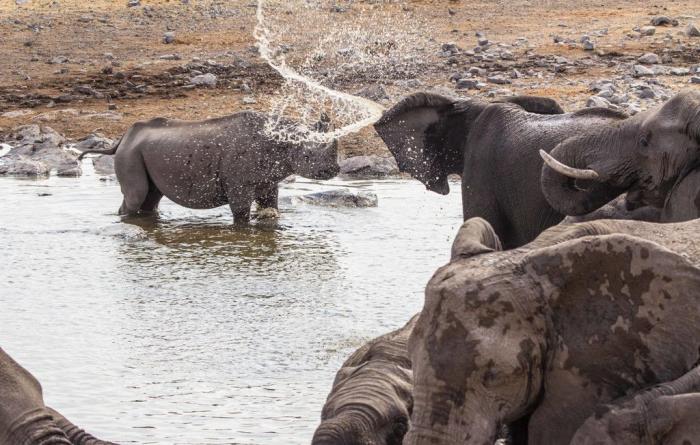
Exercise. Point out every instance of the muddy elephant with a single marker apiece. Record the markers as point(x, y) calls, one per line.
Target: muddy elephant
point(371, 398)
point(25, 420)
point(666, 414)
point(206, 164)
point(596, 154)
point(539, 336)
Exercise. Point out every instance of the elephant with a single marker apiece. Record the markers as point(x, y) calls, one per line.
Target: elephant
point(371, 398)
point(683, 202)
point(25, 420)
point(206, 164)
point(595, 155)
point(665, 414)
point(537, 337)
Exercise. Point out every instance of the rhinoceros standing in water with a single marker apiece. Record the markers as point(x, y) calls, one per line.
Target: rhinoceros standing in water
point(206, 164)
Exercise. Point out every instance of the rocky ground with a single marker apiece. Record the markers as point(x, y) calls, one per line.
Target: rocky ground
point(83, 72)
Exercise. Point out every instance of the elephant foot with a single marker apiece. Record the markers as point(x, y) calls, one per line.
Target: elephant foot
point(268, 213)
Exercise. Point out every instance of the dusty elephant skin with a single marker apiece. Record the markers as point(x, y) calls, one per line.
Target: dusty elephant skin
point(207, 164)
point(664, 414)
point(585, 314)
point(371, 399)
point(495, 148)
point(24, 419)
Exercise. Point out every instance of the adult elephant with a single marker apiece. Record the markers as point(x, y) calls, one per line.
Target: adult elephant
point(666, 414)
point(206, 164)
point(25, 420)
point(539, 336)
point(372, 396)
point(503, 177)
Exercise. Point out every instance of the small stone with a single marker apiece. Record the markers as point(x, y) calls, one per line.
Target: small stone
point(597, 101)
point(695, 80)
point(483, 42)
point(498, 80)
point(641, 70)
point(373, 92)
point(168, 37)
point(589, 45)
point(248, 100)
point(649, 59)
point(663, 21)
point(170, 57)
point(207, 79)
point(507, 55)
point(692, 30)
point(133, 3)
point(468, 84)
point(647, 30)
point(680, 71)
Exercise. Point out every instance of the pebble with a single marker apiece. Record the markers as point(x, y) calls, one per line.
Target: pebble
point(468, 84)
point(498, 80)
point(641, 70)
point(168, 37)
point(692, 30)
point(680, 71)
point(649, 59)
point(695, 80)
point(647, 30)
point(588, 45)
point(133, 3)
point(248, 100)
point(207, 79)
point(663, 21)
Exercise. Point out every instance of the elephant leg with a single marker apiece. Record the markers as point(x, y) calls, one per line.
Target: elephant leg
point(267, 198)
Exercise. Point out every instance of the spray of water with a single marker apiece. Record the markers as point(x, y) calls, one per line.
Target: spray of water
point(357, 111)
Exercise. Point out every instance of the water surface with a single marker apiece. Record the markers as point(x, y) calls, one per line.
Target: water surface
point(186, 330)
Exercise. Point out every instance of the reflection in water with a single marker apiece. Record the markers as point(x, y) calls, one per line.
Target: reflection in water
point(186, 329)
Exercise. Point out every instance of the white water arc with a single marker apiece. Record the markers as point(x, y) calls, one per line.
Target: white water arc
point(372, 110)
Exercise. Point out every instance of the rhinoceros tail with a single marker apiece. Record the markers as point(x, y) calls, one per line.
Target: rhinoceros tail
point(109, 151)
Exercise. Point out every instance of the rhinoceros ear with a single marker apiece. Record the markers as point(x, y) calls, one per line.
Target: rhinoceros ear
point(425, 133)
point(476, 236)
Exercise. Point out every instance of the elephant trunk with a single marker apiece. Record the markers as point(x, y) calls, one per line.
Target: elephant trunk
point(76, 435)
point(580, 175)
point(341, 430)
point(36, 427)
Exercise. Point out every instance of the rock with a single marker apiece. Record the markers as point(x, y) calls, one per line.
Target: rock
point(103, 164)
point(374, 92)
point(695, 80)
point(95, 141)
point(663, 21)
point(468, 84)
point(207, 79)
point(37, 151)
point(338, 198)
point(483, 42)
point(647, 30)
point(645, 92)
point(133, 3)
point(168, 37)
point(105, 115)
point(597, 101)
point(371, 166)
point(23, 167)
point(692, 30)
point(641, 70)
point(498, 80)
point(249, 100)
point(589, 45)
point(58, 60)
point(680, 71)
point(450, 48)
point(170, 57)
point(507, 55)
point(649, 59)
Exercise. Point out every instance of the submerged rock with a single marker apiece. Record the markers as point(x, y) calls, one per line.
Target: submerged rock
point(371, 166)
point(338, 198)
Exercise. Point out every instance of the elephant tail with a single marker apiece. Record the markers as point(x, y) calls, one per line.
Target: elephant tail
point(76, 435)
point(109, 151)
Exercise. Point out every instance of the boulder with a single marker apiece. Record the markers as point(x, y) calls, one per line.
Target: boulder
point(371, 166)
point(338, 198)
point(103, 164)
point(37, 151)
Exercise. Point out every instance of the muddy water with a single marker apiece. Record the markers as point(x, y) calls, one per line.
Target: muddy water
point(185, 330)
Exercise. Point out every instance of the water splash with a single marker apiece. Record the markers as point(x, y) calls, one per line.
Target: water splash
point(360, 111)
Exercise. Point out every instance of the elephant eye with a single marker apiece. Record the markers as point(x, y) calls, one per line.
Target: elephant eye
point(644, 141)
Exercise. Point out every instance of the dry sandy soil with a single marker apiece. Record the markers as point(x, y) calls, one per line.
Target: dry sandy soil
point(103, 61)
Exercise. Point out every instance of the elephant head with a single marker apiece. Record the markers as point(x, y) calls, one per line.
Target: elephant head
point(315, 160)
point(581, 316)
point(648, 152)
point(663, 414)
point(427, 132)
point(371, 399)
point(24, 419)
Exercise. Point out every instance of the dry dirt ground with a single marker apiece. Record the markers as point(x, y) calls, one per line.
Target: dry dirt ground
point(107, 64)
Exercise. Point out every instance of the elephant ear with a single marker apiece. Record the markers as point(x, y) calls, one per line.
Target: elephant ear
point(426, 132)
point(535, 104)
point(476, 236)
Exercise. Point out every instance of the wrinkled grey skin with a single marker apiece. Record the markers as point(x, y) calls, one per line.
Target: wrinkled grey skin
point(24, 419)
point(371, 398)
point(503, 178)
point(494, 146)
point(667, 414)
point(648, 152)
point(682, 204)
point(206, 164)
point(539, 336)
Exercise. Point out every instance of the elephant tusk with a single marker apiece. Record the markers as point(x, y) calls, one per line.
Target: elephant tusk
point(571, 172)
